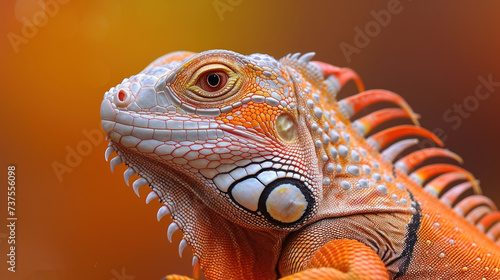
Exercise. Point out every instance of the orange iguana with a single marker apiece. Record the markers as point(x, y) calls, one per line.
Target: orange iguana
point(267, 176)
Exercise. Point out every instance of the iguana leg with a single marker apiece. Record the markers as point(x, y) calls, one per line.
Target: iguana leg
point(343, 259)
point(196, 274)
point(177, 277)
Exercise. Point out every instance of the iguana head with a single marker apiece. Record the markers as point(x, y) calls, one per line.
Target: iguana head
point(218, 137)
point(235, 147)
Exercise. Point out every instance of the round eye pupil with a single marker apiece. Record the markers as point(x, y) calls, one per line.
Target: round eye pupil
point(213, 80)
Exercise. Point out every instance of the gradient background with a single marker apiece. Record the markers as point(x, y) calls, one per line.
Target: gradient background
point(90, 225)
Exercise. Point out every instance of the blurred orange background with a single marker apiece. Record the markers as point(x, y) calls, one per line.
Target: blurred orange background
point(82, 222)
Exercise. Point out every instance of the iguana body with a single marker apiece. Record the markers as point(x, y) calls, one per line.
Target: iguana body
point(266, 176)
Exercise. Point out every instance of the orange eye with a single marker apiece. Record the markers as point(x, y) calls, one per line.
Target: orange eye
point(212, 81)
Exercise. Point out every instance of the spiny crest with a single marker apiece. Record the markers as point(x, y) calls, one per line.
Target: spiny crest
point(302, 64)
point(437, 178)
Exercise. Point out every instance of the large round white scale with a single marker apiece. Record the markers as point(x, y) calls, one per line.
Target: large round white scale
point(286, 203)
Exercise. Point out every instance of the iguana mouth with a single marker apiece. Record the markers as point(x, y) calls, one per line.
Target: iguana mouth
point(129, 128)
point(243, 133)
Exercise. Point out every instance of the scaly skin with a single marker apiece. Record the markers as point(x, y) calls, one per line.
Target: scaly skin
point(266, 176)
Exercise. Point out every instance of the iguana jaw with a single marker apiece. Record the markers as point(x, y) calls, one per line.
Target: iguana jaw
point(222, 248)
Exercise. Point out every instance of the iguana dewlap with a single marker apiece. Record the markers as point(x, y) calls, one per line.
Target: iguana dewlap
point(266, 175)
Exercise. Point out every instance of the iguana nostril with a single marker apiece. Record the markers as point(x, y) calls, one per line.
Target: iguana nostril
point(122, 98)
point(122, 95)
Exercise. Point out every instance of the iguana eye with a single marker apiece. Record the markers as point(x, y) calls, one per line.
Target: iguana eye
point(212, 82)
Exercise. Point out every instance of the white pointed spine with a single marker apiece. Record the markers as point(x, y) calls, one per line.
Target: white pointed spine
point(401, 165)
point(108, 152)
point(373, 143)
point(359, 128)
point(162, 212)
point(139, 183)
point(346, 109)
point(150, 197)
point(397, 148)
point(170, 231)
point(114, 162)
point(126, 175)
point(304, 59)
point(182, 246)
point(295, 56)
point(194, 261)
point(416, 179)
